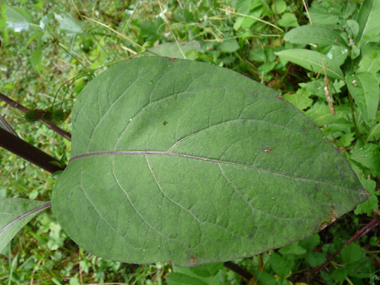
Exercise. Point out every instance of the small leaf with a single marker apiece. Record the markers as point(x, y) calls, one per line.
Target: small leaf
point(315, 258)
point(279, 6)
point(322, 115)
point(339, 274)
point(369, 157)
point(364, 88)
point(354, 26)
point(230, 46)
point(352, 253)
point(18, 19)
point(370, 61)
point(288, 20)
point(311, 60)
point(243, 6)
point(68, 24)
point(300, 99)
point(280, 265)
point(36, 59)
point(311, 242)
point(257, 55)
point(314, 34)
point(372, 203)
point(172, 50)
point(368, 19)
point(221, 179)
point(346, 140)
point(14, 214)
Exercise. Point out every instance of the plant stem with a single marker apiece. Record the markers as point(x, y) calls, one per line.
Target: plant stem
point(372, 224)
point(55, 128)
point(27, 151)
point(353, 117)
point(238, 269)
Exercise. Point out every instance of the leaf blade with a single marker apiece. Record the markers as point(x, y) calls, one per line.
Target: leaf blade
point(314, 34)
point(311, 60)
point(364, 88)
point(16, 213)
point(174, 178)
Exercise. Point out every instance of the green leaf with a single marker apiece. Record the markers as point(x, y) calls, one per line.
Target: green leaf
point(346, 140)
point(311, 60)
point(314, 34)
point(265, 278)
point(14, 214)
point(322, 116)
point(352, 253)
point(293, 248)
point(279, 7)
point(368, 19)
point(339, 274)
point(172, 50)
point(315, 258)
point(68, 24)
point(230, 46)
point(300, 99)
point(325, 13)
point(370, 62)
point(207, 270)
point(180, 278)
point(288, 20)
point(372, 203)
point(364, 88)
point(36, 59)
point(18, 19)
point(363, 268)
point(243, 6)
point(280, 265)
point(184, 161)
point(311, 242)
point(354, 26)
point(257, 55)
point(369, 157)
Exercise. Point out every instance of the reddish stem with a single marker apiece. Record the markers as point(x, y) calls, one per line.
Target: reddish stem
point(372, 224)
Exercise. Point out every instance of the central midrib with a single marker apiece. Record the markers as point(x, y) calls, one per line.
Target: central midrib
point(149, 152)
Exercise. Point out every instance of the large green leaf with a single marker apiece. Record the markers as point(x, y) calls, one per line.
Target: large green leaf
point(368, 19)
point(364, 88)
point(312, 60)
point(18, 19)
point(14, 214)
point(314, 34)
point(189, 162)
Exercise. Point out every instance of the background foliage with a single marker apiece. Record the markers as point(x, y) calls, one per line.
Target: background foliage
point(51, 50)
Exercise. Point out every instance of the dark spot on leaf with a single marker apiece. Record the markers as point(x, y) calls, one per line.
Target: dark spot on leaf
point(165, 123)
point(172, 59)
point(192, 259)
point(267, 150)
point(71, 193)
point(280, 97)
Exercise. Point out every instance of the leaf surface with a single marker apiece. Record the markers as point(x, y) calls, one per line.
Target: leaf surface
point(18, 19)
point(314, 34)
point(312, 60)
point(368, 19)
point(364, 88)
point(183, 161)
point(14, 214)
